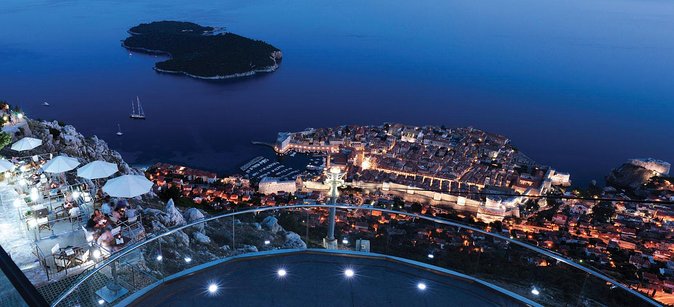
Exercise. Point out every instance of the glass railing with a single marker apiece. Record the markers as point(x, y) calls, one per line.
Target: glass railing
point(533, 273)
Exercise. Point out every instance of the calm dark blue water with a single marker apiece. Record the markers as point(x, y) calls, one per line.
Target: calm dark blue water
point(580, 85)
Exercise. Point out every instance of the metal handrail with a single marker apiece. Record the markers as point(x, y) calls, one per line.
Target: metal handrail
point(536, 249)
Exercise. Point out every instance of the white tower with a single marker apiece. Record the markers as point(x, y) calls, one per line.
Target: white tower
point(334, 178)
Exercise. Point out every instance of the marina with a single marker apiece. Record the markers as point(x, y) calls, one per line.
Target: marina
point(286, 167)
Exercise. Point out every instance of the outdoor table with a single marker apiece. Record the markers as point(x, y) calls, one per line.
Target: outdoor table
point(42, 212)
point(68, 255)
point(120, 241)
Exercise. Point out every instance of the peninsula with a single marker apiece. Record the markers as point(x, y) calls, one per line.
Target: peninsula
point(202, 52)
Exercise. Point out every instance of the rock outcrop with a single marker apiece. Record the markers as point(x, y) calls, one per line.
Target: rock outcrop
point(173, 217)
point(628, 176)
point(202, 243)
point(271, 223)
point(64, 139)
point(293, 241)
point(192, 215)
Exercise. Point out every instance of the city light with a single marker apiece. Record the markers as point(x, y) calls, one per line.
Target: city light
point(281, 273)
point(101, 302)
point(431, 256)
point(159, 257)
point(188, 259)
point(367, 164)
point(535, 291)
point(421, 286)
point(345, 241)
point(267, 242)
point(349, 273)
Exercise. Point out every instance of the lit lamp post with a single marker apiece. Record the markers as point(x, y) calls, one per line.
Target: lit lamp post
point(335, 178)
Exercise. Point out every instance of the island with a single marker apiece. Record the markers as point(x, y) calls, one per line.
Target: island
point(202, 52)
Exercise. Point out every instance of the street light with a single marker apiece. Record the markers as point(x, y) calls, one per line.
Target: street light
point(213, 288)
point(421, 286)
point(281, 273)
point(349, 273)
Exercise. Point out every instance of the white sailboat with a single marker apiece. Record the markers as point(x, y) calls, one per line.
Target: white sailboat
point(119, 130)
point(46, 104)
point(140, 114)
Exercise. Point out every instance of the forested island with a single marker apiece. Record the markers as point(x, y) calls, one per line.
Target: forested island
point(202, 52)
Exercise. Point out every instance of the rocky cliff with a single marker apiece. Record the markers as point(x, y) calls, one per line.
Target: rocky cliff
point(628, 176)
point(201, 243)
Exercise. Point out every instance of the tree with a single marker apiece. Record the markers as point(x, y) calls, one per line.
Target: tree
point(170, 193)
point(497, 225)
point(603, 212)
point(5, 139)
point(415, 207)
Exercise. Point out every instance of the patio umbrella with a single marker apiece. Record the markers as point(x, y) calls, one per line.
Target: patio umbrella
point(97, 169)
point(127, 186)
point(26, 143)
point(60, 164)
point(5, 166)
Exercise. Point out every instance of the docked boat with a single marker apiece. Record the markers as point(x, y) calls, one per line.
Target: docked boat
point(137, 110)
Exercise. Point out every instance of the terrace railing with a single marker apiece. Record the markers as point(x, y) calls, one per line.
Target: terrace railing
point(530, 272)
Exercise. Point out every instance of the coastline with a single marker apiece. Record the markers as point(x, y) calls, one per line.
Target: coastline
point(220, 77)
point(276, 55)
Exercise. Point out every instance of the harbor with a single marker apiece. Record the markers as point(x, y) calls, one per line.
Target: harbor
point(283, 167)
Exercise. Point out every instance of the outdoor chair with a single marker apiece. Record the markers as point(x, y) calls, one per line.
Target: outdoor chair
point(82, 257)
point(60, 212)
point(130, 221)
point(74, 214)
point(43, 224)
point(61, 263)
point(115, 231)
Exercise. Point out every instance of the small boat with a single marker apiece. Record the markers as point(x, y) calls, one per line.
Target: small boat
point(46, 104)
point(119, 130)
point(140, 114)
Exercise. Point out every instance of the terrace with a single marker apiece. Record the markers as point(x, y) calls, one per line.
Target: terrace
point(367, 268)
point(45, 211)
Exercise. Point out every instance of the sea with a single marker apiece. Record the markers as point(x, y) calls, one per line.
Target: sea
point(579, 85)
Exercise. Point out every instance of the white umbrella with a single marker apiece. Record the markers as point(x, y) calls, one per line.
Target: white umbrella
point(97, 169)
point(127, 186)
point(5, 166)
point(60, 164)
point(26, 143)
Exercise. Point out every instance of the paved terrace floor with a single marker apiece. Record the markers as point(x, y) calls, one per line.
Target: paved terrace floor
point(317, 279)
